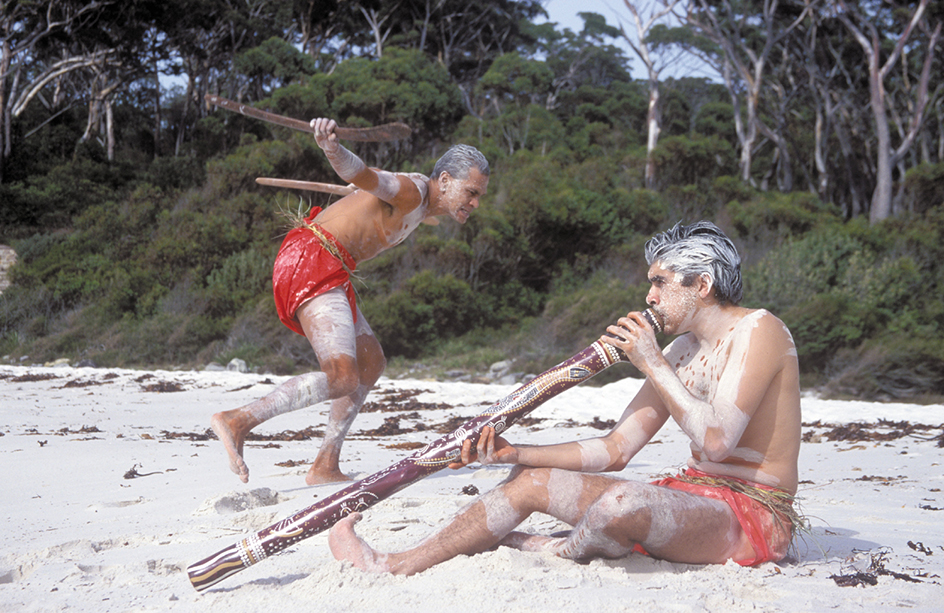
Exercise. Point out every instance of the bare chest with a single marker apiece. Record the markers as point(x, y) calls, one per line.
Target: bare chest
point(701, 368)
point(368, 227)
point(393, 230)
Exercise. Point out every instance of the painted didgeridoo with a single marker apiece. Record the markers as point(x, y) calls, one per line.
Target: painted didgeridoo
point(432, 458)
point(382, 133)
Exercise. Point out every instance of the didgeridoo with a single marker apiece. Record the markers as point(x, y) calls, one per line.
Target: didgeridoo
point(432, 458)
point(382, 133)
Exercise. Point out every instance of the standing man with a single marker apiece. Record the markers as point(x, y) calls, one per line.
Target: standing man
point(314, 296)
point(730, 381)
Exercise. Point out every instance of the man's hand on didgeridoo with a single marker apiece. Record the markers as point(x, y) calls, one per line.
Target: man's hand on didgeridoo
point(491, 449)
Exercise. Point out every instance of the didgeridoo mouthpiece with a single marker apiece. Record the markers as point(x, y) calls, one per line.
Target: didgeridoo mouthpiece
point(653, 320)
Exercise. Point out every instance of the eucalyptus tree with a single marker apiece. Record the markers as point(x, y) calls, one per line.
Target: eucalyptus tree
point(465, 36)
point(742, 35)
point(31, 32)
point(649, 33)
point(874, 25)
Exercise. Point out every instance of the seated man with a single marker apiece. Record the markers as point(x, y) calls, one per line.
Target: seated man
point(731, 383)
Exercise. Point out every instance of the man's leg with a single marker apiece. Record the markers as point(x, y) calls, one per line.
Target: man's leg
point(370, 365)
point(609, 517)
point(329, 327)
point(671, 525)
point(481, 524)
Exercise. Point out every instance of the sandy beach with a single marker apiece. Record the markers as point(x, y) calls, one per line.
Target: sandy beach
point(113, 485)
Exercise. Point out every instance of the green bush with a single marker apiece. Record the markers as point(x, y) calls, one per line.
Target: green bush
point(800, 268)
point(924, 186)
point(242, 279)
point(774, 215)
point(895, 367)
point(429, 308)
point(693, 160)
point(825, 324)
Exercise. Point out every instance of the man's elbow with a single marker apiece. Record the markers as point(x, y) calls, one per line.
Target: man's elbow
point(617, 466)
point(716, 448)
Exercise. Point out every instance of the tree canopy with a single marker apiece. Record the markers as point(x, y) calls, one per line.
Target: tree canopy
point(133, 207)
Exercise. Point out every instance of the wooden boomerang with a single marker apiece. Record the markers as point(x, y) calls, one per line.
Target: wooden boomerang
point(311, 186)
point(327, 188)
point(386, 132)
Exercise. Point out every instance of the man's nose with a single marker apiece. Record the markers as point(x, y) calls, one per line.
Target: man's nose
point(652, 298)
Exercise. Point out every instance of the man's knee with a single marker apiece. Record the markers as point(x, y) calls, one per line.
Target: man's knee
point(370, 359)
point(343, 377)
point(528, 474)
point(626, 504)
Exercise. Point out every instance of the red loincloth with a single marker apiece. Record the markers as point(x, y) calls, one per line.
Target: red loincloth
point(768, 531)
point(305, 268)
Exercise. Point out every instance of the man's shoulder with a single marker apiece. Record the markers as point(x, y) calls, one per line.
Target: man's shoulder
point(415, 176)
point(765, 327)
point(421, 182)
point(762, 318)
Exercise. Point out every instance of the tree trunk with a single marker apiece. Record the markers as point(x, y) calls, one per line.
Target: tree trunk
point(641, 48)
point(5, 62)
point(109, 130)
point(653, 120)
point(157, 111)
point(881, 205)
point(885, 156)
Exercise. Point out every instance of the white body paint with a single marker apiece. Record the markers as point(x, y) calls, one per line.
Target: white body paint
point(711, 379)
point(415, 217)
point(500, 516)
point(345, 163)
point(296, 393)
point(594, 455)
point(563, 491)
point(331, 313)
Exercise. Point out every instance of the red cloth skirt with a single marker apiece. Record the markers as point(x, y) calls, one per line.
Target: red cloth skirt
point(769, 534)
point(305, 268)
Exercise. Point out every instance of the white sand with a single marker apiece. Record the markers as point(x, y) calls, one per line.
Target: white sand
point(81, 537)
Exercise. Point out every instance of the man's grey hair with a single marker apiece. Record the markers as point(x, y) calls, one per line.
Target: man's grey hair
point(458, 160)
point(696, 250)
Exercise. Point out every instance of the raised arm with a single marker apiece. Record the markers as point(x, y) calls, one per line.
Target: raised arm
point(396, 189)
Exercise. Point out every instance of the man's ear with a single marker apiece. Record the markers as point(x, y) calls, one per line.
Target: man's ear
point(443, 179)
point(706, 286)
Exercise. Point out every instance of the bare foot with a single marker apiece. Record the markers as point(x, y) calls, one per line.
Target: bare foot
point(233, 445)
point(531, 542)
point(317, 476)
point(346, 546)
point(578, 544)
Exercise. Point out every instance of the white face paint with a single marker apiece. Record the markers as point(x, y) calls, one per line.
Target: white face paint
point(674, 303)
point(461, 196)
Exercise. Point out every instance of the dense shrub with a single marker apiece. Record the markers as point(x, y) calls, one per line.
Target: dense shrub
point(924, 185)
point(893, 368)
point(428, 309)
